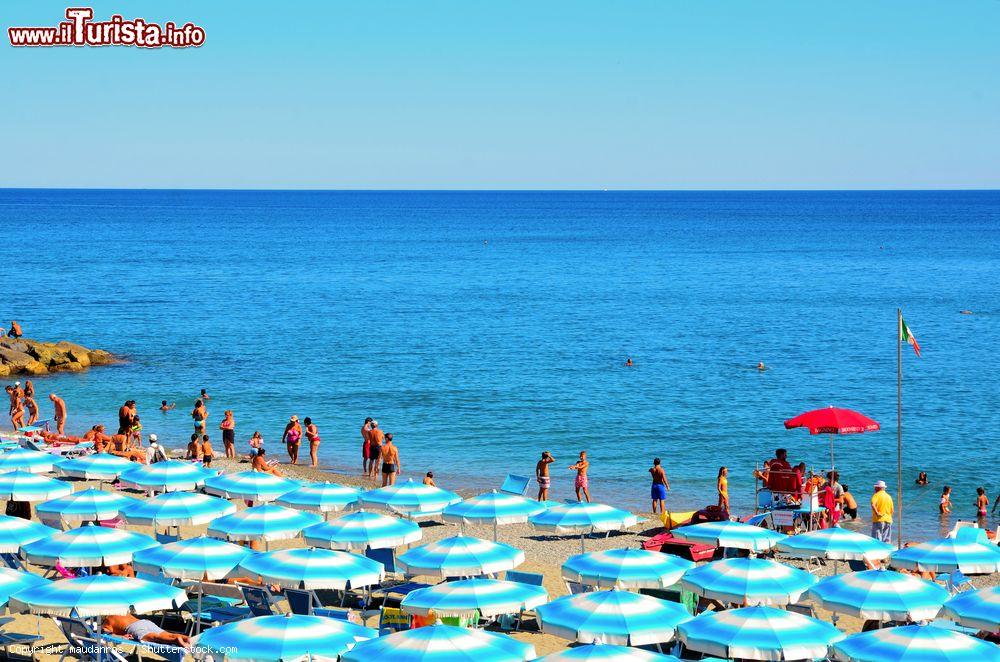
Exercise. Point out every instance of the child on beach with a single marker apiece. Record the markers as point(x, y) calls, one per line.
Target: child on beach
point(429, 479)
point(207, 454)
point(581, 483)
point(256, 443)
point(658, 491)
point(945, 506)
point(848, 505)
point(193, 448)
point(982, 504)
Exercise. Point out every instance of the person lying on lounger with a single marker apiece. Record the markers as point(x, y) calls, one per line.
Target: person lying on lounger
point(143, 630)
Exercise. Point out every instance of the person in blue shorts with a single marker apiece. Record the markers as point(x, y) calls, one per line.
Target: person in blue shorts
point(658, 491)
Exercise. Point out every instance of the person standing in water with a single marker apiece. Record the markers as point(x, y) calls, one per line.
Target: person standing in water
point(312, 434)
point(542, 475)
point(390, 461)
point(58, 412)
point(292, 436)
point(982, 504)
point(32, 407)
point(200, 415)
point(722, 487)
point(375, 438)
point(228, 427)
point(581, 484)
point(945, 506)
point(366, 429)
point(658, 491)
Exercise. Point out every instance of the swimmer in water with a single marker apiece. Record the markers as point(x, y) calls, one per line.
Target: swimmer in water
point(628, 362)
point(965, 312)
point(167, 407)
point(761, 366)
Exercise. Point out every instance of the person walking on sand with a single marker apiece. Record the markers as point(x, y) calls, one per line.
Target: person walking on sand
point(292, 437)
point(581, 484)
point(375, 439)
point(542, 475)
point(391, 466)
point(882, 512)
point(722, 487)
point(660, 487)
point(312, 434)
point(13, 398)
point(58, 413)
point(366, 429)
point(228, 427)
point(17, 415)
point(200, 416)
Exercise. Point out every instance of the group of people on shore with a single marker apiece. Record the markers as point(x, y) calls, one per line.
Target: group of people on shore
point(24, 411)
point(581, 482)
point(379, 452)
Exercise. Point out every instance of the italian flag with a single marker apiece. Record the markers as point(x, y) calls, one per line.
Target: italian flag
point(906, 336)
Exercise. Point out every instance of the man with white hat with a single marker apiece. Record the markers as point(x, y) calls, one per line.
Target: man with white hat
point(882, 512)
point(154, 451)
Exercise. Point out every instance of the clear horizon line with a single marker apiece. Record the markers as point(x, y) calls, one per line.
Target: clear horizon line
point(504, 190)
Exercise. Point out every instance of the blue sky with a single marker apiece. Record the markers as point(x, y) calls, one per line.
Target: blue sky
point(655, 94)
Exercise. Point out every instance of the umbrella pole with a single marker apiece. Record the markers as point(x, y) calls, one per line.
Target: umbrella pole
point(494, 531)
point(583, 549)
point(831, 454)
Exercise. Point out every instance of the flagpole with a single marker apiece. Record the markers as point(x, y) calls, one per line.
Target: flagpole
point(899, 426)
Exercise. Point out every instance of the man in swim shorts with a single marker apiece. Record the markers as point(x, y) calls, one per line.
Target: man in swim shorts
point(542, 475)
point(658, 491)
point(143, 630)
point(59, 412)
point(390, 461)
point(581, 483)
point(375, 437)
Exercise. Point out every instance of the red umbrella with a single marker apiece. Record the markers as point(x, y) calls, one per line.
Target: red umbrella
point(831, 421)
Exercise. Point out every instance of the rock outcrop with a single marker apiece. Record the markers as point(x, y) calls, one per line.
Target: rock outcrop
point(23, 356)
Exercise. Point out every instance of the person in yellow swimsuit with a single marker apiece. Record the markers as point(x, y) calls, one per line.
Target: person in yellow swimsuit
point(723, 488)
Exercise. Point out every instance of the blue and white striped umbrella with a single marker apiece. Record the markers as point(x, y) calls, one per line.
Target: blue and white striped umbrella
point(735, 535)
point(460, 556)
point(835, 544)
point(199, 559)
point(100, 466)
point(948, 555)
point(320, 497)
point(758, 633)
point(169, 476)
point(24, 486)
point(748, 581)
point(281, 638)
point(362, 529)
point(410, 498)
point(975, 609)
point(255, 486)
point(914, 643)
point(83, 506)
point(467, 597)
point(880, 595)
point(15, 531)
point(177, 509)
point(265, 523)
point(87, 546)
point(22, 459)
point(573, 517)
point(312, 568)
point(625, 568)
point(97, 595)
point(492, 508)
point(612, 617)
point(606, 653)
point(441, 643)
point(13, 581)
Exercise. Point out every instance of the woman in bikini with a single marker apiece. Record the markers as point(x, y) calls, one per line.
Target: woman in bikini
point(982, 506)
point(228, 427)
point(312, 434)
point(292, 437)
point(722, 487)
point(200, 414)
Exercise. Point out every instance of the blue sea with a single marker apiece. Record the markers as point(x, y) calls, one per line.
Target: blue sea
point(482, 328)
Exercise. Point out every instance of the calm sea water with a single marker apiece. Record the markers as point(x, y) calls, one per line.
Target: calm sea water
point(482, 328)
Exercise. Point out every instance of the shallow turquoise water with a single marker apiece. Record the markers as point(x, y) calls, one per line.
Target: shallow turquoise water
point(482, 328)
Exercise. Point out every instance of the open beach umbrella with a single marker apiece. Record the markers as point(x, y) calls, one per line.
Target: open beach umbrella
point(460, 556)
point(758, 633)
point(22, 459)
point(198, 559)
point(735, 535)
point(169, 476)
point(24, 486)
point(582, 518)
point(441, 643)
point(312, 568)
point(86, 546)
point(409, 498)
point(975, 609)
point(177, 509)
point(362, 529)
point(914, 643)
point(606, 653)
point(265, 523)
point(496, 508)
point(879, 595)
point(99, 466)
point(467, 597)
point(97, 595)
point(748, 582)
point(320, 497)
point(625, 568)
point(948, 555)
point(831, 421)
point(281, 638)
point(84, 506)
point(12, 581)
point(835, 544)
point(255, 486)
point(613, 617)
point(16, 531)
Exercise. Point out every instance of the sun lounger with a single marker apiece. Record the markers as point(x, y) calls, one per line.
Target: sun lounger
point(258, 599)
point(80, 631)
point(307, 603)
point(514, 484)
point(8, 639)
point(529, 578)
point(83, 643)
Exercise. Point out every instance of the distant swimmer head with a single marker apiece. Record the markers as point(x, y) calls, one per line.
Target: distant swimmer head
point(761, 366)
point(628, 361)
